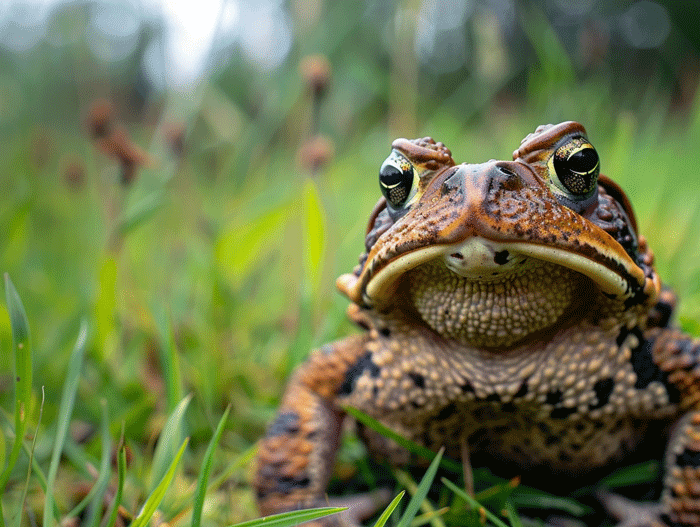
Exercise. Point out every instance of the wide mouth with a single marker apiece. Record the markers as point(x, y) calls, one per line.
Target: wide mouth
point(485, 260)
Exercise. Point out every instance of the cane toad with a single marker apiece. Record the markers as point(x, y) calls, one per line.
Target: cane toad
point(509, 306)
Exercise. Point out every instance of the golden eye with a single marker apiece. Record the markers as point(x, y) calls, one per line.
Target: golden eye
point(398, 180)
point(576, 166)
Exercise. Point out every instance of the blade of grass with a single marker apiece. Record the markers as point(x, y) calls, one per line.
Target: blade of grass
point(96, 495)
point(169, 360)
point(158, 493)
point(471, 501)
point(31, 460)
point(419, 450)
point(243, 460)
point(289, 519)
point(23, 374)
point(405, 480)
point(65, 410)
point(205, 471)
point(389, 509)
point(633, 475)
point(421, 491)
point(140, 212)
point(535, 499)
point(430, 517)
point(121, 475)
point(512, 514)
point(170, 437)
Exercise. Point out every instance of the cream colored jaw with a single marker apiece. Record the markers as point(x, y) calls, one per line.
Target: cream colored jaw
point(608, 280)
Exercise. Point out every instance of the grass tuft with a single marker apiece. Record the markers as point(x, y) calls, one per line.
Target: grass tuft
point(290, 519)
point(205, 470)
point(21, 343)
point(70, 388)
point(155, 498)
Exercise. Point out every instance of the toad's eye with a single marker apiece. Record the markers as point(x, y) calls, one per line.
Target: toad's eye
point(398, 181)
point(576, 169)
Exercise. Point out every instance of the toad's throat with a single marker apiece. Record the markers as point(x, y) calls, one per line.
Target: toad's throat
point(492, 310)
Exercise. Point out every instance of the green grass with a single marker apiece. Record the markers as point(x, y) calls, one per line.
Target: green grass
point(210, 277)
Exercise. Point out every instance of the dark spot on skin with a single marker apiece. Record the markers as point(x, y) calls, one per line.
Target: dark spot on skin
point(598, 425)
point(576, 447)
point(688, 458)
point(415, 404)
point(447, 412)
point(312, 435)
point(554, 397)
point(360, 323)
point(375, 391)
point(562, 412)
point(622, 335)
point(286, 423)
point(288, 484)
point(501, 429)
point(501, 257)
point(566, 458)
point(467, 387)
point(493, 398)
point(522, 391)
point(639, 297)
point(484, 413)
point(552, 440)
point(543, 428)
point(478, 436)
point(509, 407)
point(355, 371)
point(662, 313)
point(386, 332)
point(603, 388)
point(580, 427)
point(647, 370)
point(446, 312)
point(417, 379)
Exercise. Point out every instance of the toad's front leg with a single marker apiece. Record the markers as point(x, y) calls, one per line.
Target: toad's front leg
point(296, 456)
point(674, 358)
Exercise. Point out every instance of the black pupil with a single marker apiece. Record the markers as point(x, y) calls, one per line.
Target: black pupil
point(584, 160)
point(395, 184)
point(578, 172)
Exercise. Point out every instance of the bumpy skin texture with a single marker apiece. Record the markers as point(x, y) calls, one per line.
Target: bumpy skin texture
point(502, 312)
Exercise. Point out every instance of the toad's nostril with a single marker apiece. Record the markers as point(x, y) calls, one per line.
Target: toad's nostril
point(457, 256)
point(509, 179)
point(508, 172)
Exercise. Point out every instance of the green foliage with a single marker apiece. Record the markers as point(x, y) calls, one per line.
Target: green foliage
point(160, 489)
point(421, 492)
point(65, 410)
point(22, 379)
point(289, 519)
point(206, 470)
point(384, 516)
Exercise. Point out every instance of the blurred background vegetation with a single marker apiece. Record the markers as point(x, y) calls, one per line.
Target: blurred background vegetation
point(190, 178)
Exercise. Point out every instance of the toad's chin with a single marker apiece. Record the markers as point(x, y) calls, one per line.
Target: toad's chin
point(493, 308)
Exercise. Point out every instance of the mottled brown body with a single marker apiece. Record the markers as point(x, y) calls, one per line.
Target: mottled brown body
point(508, 306)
